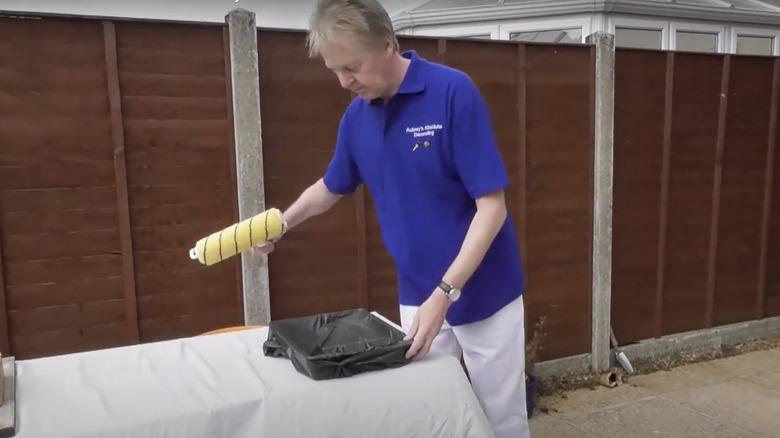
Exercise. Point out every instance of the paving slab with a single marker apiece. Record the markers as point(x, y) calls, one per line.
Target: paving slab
point(748, 363)
point(546, 426)
point(708, 373)
point(741, 402)
point(770, 379)
point(655, 418)
point(684, 377)
point(734, 397)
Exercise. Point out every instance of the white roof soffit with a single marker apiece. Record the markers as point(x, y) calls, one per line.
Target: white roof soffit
point(740, 11)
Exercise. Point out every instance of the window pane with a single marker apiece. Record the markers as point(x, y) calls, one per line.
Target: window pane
point(480, 37)
point(697, 42)
point(638, 38)
point(555, 36)
point(749, 45)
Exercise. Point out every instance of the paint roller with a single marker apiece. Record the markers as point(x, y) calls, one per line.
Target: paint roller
point(239, 237)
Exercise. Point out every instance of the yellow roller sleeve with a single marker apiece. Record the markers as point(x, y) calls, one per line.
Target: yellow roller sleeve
point(239, 237)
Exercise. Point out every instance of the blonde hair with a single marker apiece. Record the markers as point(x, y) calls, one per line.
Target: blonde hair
point(367, 19)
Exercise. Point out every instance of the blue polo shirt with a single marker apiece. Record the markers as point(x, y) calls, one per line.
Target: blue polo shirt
point(425, 155)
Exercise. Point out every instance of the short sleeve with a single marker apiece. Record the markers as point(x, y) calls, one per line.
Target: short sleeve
point(342, 175)
point(475, 153)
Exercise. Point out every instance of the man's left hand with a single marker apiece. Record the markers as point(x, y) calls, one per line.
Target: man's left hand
point(427, 324)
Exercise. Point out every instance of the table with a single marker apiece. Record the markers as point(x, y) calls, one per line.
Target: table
point(224, 386)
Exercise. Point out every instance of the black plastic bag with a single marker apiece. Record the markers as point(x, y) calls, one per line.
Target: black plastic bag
point(339, 344)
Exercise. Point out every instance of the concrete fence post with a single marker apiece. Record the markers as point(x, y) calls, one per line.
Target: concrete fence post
point(604, 46)
point(244, 72)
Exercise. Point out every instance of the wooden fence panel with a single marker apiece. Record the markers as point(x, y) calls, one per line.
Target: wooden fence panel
point(770, 288)
point(695, 197)
point(61, 248)
point(694, 142)
point(559, 194)
point(736, 267)
point(180, 174)
point(316, 268)
point(115, 157)
point(641, 134)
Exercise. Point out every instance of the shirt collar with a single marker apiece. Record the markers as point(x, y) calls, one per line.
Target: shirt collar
point(413, 81)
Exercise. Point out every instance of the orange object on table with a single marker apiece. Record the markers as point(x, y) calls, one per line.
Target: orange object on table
point(231, 329)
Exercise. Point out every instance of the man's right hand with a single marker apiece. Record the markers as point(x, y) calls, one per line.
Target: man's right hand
point(264, 249)
point(315, 200)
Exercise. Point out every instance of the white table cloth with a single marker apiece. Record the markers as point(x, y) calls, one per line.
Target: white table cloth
point(223, 386)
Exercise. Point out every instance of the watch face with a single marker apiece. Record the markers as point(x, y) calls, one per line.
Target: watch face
point(454, 294)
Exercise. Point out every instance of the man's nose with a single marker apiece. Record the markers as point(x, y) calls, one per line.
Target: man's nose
point(345, 80)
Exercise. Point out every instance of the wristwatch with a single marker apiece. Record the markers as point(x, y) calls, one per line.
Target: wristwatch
point(452, 293)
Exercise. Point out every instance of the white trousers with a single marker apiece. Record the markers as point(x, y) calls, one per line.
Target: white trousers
point(493, 351)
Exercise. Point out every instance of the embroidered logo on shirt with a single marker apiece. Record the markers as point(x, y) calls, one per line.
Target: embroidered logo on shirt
point(425, 144)
point(423, 131)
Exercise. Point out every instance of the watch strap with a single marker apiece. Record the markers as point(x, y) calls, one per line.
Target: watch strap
point(445, 287)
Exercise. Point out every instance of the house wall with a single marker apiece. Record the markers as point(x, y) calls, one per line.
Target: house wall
point(727, 34)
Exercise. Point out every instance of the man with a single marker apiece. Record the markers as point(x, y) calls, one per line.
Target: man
point(419, 136)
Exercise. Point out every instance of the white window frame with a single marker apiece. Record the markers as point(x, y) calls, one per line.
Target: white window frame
point(598, 23)
point(459, 31)
point(761, 4)
point(720, 31)
point(584, 23)
point(754, 32)
point(639, 23)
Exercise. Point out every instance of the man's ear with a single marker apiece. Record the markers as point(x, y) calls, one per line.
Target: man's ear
point(389, 48)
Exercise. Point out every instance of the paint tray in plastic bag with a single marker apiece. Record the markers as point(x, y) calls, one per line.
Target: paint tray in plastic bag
point(336, 345)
